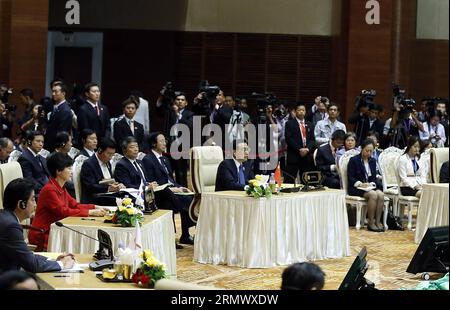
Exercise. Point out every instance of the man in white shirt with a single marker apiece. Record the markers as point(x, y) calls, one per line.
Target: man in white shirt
point(325, 128)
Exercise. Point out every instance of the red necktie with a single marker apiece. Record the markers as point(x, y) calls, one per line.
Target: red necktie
point(303, 130)
point(98, 110)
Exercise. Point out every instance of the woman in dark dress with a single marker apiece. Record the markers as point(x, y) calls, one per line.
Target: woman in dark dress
point(363, 182)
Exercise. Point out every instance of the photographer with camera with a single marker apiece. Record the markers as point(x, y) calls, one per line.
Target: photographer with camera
point(269, 129)
point(36, 121)
point(433, 130)
point(164, 104)
point(7, 111)
point(360, 118)
point(238, 119)
point(320, 111)
point(404, 123)
point(220, 112)
point(5, 92)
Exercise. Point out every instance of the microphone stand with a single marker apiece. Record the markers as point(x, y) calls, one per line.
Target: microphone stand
point(294, 189)
point(98, 265)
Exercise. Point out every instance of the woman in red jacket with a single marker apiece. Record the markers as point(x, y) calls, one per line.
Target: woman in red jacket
point(55, 203)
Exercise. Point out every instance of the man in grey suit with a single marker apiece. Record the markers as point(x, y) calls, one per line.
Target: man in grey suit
point(19, 204)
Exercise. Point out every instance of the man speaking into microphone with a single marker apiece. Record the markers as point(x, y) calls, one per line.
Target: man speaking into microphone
point(19, 204)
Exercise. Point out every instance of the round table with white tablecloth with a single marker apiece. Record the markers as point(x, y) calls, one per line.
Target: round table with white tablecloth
point(237, 230)
point(433, 209)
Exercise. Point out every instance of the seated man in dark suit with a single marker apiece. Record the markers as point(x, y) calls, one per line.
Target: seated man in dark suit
point(158, 170)
point(443, 175)
point(96, 169)
point(34, 166)
point(89, 142)
point(129, 170)
point(127, 126)
point(19, 204)
point(234, 174)
point(326, 161)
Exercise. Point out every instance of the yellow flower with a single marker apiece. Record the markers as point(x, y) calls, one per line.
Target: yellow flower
point(152, 262)
point(126, 201)
point(121, 208)
point(148, 254)
point(258, 177)
point(130, 211)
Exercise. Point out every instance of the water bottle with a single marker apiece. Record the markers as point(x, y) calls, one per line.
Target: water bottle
point(272, 184)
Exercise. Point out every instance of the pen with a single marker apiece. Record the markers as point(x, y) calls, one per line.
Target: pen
point(87, 219)
point(62, 276)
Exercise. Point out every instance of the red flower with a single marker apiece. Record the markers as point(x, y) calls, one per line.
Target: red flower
point(114, 219)
point(145, 279)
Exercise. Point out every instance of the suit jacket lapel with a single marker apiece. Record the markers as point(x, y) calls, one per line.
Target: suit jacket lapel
point(232, 166)
point(157, 164)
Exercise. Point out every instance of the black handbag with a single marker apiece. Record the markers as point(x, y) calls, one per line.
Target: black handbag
point(394, 222)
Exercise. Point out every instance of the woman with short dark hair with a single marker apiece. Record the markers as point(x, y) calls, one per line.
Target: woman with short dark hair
point(54, 202)
point(363, 182)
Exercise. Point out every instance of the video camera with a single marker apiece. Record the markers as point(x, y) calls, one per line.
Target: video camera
point(365, 98)
point(401, 101)
point(262, 101)
point(209, 93)
point(168, 91)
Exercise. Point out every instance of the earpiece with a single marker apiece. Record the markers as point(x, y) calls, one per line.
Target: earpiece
point(29, 142)
point(22, 205)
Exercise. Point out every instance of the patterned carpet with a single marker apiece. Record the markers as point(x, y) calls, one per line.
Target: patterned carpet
point(389, 254)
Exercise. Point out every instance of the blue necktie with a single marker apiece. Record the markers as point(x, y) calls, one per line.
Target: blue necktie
point(241, 175)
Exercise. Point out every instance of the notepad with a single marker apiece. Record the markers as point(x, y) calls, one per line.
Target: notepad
point(367, 189)
point(161, 187)
point(107, 181)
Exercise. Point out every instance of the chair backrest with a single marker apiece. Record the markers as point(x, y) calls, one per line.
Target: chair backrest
point(14, 156)
point(388, 167)
point(343, 163)
point(111, 124)
point(114, 160)
point(76, 169)
point(73, 152)
point(141, 155)
point(437, 158)
point(44, 153)
point(8, 172)
point(204, 162)
point(424, 162)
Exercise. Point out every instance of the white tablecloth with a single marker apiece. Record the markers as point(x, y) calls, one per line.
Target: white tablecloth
point(158, 235)
point(433, 209)
point(242, 231)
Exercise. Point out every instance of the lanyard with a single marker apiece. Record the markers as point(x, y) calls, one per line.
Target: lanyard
point(415, 166)
point(366, 173)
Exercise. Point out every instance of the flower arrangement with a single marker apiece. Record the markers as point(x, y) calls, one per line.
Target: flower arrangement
point(126, 214)
point(150, 270)
point(259, 187)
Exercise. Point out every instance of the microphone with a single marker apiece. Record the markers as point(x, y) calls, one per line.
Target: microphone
point(294, 189)
point(29, 227)
point(99, 264)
